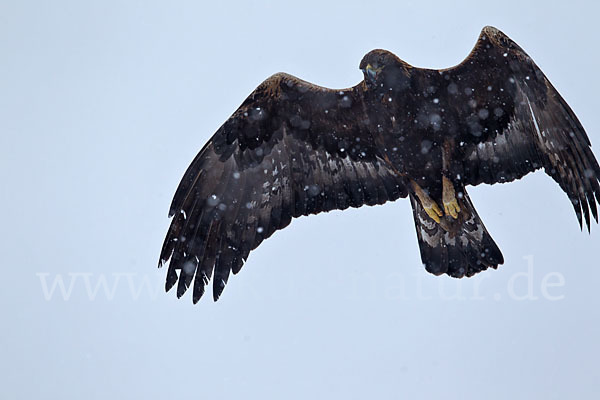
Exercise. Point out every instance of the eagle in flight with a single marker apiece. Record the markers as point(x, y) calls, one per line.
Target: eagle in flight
point(293, 148)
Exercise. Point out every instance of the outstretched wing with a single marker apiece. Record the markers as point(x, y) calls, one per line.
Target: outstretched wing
point(514, 122)
point(291, 149)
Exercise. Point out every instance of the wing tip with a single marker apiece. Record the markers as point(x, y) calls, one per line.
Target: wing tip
point(491, 30)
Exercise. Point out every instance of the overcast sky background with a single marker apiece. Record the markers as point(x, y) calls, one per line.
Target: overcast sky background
point(104, 104)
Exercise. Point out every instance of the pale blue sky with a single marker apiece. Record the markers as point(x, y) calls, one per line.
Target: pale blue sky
point(103, 104)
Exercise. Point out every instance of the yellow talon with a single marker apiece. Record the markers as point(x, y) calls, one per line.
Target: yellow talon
point(449, 198)
point(429, 205)
point(434, 212)
point(452, 208)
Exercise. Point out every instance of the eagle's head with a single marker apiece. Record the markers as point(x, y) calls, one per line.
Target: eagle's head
point(384, 70)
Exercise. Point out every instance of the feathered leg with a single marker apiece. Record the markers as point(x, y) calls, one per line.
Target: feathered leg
point(451, 206)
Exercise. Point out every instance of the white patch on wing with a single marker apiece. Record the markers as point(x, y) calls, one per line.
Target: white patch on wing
point(537, 128)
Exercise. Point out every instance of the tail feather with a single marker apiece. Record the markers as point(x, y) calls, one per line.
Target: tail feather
point(457, 247)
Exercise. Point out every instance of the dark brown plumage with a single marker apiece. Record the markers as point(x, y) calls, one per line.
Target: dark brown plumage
point(293, 148)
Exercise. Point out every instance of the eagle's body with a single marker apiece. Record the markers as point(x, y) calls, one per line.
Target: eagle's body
point(294, 148)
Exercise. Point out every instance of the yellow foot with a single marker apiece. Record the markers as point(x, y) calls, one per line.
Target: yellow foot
point(449, 198)
point(433, 210)
point(452, 208)
point(429, 205)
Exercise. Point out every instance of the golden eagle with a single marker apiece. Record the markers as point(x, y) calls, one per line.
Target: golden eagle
point(293, 148)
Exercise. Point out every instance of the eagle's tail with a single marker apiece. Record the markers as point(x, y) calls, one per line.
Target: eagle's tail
point(456, 247)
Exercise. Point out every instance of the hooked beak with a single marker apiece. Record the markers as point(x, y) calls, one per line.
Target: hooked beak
point(371, 72)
